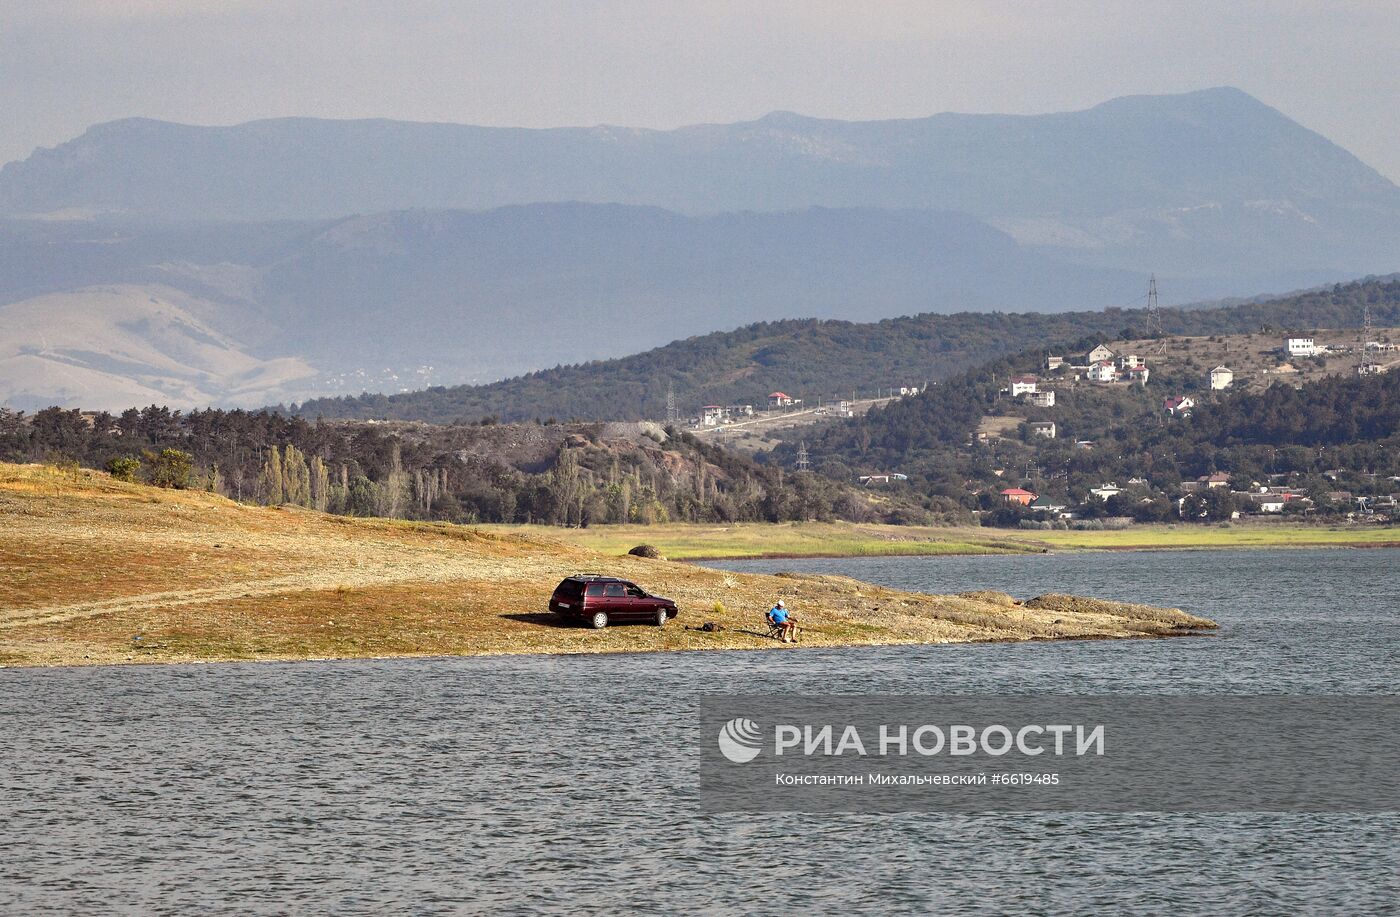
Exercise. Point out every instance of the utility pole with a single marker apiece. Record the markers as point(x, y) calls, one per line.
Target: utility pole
point(803, 462)
point(1363, 359)
point(1154, 316)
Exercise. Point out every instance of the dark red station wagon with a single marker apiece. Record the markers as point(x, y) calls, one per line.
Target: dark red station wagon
point(601, 600)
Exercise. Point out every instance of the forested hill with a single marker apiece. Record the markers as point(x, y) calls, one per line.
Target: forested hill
point(564, 474)
point(1340, 433)
point(811, 358)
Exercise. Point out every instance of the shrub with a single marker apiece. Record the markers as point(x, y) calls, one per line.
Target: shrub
point(170, 468)
point(124, 468)
point(646, 550)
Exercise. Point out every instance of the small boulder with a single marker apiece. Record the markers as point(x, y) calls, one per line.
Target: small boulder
point(646, 550)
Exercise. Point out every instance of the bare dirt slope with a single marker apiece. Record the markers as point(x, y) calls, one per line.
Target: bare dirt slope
point(93, 570)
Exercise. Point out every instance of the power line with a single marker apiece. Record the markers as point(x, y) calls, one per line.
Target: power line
point(1154, 317)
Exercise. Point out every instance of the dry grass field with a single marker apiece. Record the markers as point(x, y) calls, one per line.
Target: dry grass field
point(97, 571)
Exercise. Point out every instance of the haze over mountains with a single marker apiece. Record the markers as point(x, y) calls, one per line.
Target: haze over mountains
point(373, 250)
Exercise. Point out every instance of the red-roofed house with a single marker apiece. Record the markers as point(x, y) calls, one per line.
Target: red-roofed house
point(779, 400)
point(1017, 495)
point(1023, 385)
point(1177, 404)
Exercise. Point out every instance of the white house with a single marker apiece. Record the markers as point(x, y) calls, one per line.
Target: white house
point(1023, 385)
point(780, 400)
point(1104, 491)
point(1138, 374)
point(1045, 399)
point(711, 415)
point(1045, 428)
point(1102, 371)
point(1302, 347)
point(1178, 404)
point(1053, 363)
point(870, 480)
point(1221, 377)
point(1097, 354)
point(1132, 361)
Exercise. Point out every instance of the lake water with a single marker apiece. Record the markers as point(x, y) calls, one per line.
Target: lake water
point(567, 783)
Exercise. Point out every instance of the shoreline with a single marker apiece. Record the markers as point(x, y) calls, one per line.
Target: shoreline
point(1198, 632)
point(1106, 549)
point(713, 543)
point(101, 571)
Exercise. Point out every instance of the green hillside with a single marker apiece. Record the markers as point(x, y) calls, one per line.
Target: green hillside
point(812, 358)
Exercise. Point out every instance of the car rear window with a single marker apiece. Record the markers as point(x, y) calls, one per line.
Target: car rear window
point(569, 589)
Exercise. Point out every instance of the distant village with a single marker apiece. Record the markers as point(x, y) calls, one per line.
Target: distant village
point(1211, 496)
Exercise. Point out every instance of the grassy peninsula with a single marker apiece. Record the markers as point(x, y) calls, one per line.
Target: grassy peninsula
point(99, 571)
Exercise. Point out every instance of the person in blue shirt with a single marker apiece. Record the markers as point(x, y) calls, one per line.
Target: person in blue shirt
point(780, 617)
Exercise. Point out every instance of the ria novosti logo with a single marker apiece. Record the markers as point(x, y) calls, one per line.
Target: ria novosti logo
point(740, 740)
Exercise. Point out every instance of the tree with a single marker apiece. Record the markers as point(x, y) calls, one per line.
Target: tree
point(320, 484)
point(124, 468)
point(170, 468)
point(272, 482)
point(296, 476)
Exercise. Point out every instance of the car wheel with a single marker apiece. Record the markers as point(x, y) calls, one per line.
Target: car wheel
point(661, 617)
point(600, 620)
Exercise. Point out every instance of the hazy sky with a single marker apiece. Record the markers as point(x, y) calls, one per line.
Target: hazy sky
point(66, 64)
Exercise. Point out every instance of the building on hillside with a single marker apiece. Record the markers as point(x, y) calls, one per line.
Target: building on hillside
point(893, 477)
point(1369, 369)
point(1098, 354)
point(1017, 495)
point(840, 408)
point(908, 391)
point(780, 400)
point(1053, 363)
point(1042, 398)
point(1302, 347)
point(1178, 405)
point(1217, 479)
point(1022, 385)
point(1047, 505)
point(1045, 428)
point(1131, 361)
point(1102, 371)
point(1268, 503)
point(1221, 378)
point(1104, 491)
point(1138, 374)
point(712, 415)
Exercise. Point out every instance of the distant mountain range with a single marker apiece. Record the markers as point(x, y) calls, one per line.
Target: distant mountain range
point(381, 255)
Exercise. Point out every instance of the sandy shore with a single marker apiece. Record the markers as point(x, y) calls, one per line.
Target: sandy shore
point(94, 571)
